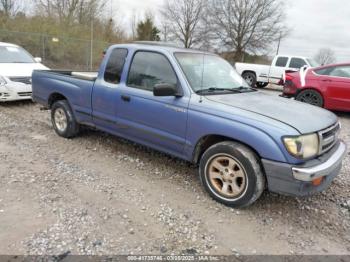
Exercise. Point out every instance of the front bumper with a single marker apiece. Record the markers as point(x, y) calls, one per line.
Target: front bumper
point(15, 91)
point(14, 97)
point(298, 180)
point(289, 89)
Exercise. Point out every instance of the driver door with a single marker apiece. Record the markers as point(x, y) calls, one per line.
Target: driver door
point(159, 122)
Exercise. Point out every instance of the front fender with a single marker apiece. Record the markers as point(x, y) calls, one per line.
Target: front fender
point(203, 125)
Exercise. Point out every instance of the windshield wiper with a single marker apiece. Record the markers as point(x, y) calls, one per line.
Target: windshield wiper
point(215, 89)
point(246, 89)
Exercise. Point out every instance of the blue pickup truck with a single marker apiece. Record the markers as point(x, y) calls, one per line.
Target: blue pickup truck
point(193, 105)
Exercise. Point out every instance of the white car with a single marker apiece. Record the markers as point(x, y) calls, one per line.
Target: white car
point(16, 68)
point(262, 75)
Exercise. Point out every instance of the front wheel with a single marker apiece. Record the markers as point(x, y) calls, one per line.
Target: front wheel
point(250, 78)
point(311, 97)
point(231, 173)
point(63, 119)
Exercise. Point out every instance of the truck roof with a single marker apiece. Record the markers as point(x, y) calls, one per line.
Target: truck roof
point(296, 56)
point(149, 45)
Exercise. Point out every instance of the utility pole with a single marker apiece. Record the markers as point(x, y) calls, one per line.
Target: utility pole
point(279, 43)
point(43, 39)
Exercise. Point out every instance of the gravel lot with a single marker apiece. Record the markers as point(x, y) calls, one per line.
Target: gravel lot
point(98, 194)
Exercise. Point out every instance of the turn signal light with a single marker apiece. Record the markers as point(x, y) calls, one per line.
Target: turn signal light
point(317, 181)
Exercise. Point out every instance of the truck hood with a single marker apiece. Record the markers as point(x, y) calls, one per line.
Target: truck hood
point(20, 70)
point(302, 117)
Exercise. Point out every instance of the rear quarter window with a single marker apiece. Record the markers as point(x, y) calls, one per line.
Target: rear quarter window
point(115, 65)
point(297, 63)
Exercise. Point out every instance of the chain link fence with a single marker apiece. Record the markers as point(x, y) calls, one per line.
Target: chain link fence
point(59, 52)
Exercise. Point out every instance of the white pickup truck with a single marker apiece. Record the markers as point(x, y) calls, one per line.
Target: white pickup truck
point(261, 75)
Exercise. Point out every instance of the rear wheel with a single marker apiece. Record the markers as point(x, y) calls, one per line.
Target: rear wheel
point(231, 173)
point(63, 119)
point(250, 78)
point(311, 97)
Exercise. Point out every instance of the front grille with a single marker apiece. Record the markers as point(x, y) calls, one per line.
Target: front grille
point(25, 93)
point(4, 95)
point(328, 138)
point(25, 80)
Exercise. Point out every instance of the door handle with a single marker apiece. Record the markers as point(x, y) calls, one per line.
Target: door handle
point(126, 98)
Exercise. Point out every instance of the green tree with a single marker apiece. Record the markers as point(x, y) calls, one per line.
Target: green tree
point(147, 31)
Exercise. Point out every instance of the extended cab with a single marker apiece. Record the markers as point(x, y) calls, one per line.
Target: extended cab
point(193, 105)
point(262, 75)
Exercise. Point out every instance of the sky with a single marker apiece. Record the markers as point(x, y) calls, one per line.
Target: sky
point(314, 24)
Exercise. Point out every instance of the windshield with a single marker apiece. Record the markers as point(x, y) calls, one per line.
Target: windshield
point(205, 71)
point(12, 54)
point(312, 62)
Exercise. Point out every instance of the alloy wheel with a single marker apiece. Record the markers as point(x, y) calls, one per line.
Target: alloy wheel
point(227, 176)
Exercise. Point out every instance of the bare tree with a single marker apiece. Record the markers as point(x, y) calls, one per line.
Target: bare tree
point(70, 11)
point(165, 31)
point(134, 21)
point(182, 19)
point(246, 25)
point(325, 56)
point(9, 7)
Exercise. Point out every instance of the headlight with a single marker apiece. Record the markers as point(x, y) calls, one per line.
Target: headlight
point(2, 81)
point(305, 146)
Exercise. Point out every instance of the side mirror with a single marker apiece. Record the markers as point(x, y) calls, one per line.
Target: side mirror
point(38, 59)
point(165, 90)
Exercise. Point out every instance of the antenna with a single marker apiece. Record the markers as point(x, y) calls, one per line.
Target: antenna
point(201, 96)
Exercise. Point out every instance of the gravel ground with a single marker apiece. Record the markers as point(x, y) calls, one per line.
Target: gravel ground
point(98, 194)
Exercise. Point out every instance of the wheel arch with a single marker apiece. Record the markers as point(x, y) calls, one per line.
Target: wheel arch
point(314, 89)
point(249, 71)
point(209, 140)
point(54, 97)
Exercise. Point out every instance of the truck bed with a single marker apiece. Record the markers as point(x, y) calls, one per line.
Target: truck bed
point(77, 86)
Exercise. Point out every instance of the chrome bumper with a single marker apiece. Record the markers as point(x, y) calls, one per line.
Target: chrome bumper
point(310, 173)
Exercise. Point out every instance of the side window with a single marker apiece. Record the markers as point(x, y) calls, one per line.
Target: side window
point(282, 61)
point(149, 69)
point(323, 71)
point(341, 71)
point(297, 63)
point(115, 65)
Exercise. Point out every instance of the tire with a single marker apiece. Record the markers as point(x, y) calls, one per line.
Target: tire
point(261, 84)
point(250, 78)
point(63, 120)
point(245, 180)
point(311, 97)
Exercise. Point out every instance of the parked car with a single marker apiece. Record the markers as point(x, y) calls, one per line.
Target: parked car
point(193, 105)
point(326, 86)
point(262, 75)
point(16, 68)
point(13, 91)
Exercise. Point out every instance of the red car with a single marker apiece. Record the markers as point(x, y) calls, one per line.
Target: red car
point(326, 86)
